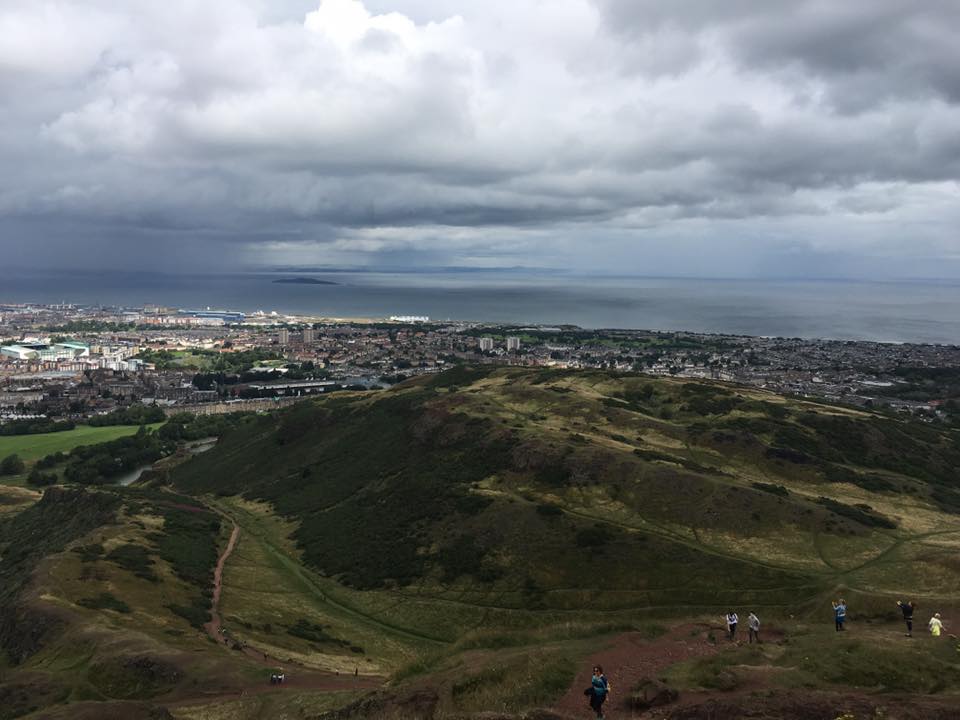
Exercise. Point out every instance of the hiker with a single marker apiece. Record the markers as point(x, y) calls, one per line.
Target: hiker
point(907, 609)
point(840, 613)
point(732, 621)
point(753, 627)
point(935, 625)
point(598, 691)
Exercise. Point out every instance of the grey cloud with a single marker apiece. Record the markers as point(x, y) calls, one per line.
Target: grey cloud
point(865, 52)
point(455, 129)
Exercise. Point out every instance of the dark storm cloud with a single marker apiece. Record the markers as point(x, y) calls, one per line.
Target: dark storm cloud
point(232, 131)
point(865, 52)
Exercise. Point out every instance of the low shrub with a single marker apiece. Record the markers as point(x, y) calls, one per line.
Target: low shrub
point(89, 553)
point(596, 536)
point(104, 601)
point(863, 514)
point(772, 489)
point(549, 510)
point(197, 614)
point(134, 558)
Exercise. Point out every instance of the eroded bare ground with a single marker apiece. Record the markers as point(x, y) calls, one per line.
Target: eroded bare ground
point(642, 673)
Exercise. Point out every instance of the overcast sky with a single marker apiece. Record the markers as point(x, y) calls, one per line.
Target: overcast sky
point(745, 137)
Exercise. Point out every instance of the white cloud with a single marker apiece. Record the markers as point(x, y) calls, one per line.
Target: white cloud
point(55, 40)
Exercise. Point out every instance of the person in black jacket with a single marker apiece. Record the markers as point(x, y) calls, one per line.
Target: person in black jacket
point(907, 609)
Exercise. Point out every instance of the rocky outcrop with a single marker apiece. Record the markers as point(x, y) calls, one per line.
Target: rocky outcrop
point(650, 693)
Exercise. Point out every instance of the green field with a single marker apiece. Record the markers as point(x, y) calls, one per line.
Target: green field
point(188, 359)
point(34, 447)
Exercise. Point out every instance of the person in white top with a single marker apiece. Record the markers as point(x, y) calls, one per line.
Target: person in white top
point(732, 621)
point(936, 625)
point(753, 627)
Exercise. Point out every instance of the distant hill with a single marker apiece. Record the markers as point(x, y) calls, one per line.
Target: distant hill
point(303, 281)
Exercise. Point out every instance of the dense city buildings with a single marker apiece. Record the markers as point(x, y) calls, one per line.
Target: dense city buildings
point(66, 360)
point(27, 351)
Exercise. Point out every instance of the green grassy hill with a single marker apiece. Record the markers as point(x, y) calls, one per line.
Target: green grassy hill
point(101, 595)
point(480, 531)
point(480, 535)
point(515, 489)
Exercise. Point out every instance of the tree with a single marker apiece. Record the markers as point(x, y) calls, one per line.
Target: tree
point(38, 478)
point(12, 465)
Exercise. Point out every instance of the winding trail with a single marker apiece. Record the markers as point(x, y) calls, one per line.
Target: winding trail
point(303, 576)
point(304, 677)
point(213, 627)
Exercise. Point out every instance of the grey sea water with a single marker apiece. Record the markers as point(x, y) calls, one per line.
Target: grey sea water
point(926, 311)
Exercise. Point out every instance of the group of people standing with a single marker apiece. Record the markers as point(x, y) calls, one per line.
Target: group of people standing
point(599, 688)
point(840, 618)
point(935, 625)
point(753, 626)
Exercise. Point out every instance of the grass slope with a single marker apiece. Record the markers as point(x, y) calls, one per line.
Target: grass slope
point(98, 593)
point(484, 495)
point(481, 536)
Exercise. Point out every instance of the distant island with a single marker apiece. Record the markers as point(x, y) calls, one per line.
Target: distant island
point(304, 281)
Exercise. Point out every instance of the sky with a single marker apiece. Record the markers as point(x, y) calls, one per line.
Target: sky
point(744, 138)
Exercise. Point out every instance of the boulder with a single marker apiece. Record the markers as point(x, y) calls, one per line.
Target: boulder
point(651, 693)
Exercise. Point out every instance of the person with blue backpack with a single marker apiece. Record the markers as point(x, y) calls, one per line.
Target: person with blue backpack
point(840, 613)
point(598, 691)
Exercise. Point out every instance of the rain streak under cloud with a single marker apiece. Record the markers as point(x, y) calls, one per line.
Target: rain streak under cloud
point(750, 138)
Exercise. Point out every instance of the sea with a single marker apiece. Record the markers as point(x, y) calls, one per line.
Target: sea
point(897, 312)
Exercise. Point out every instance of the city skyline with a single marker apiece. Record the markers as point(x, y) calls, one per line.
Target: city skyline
point(763, 140)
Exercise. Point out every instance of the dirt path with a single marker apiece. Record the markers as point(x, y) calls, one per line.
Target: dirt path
point(297, 676)
point(628, 659)
point(297, 681)
point(302, 575)
point(214, 626)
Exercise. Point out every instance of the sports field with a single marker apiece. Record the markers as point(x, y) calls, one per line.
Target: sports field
point(34, 447)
